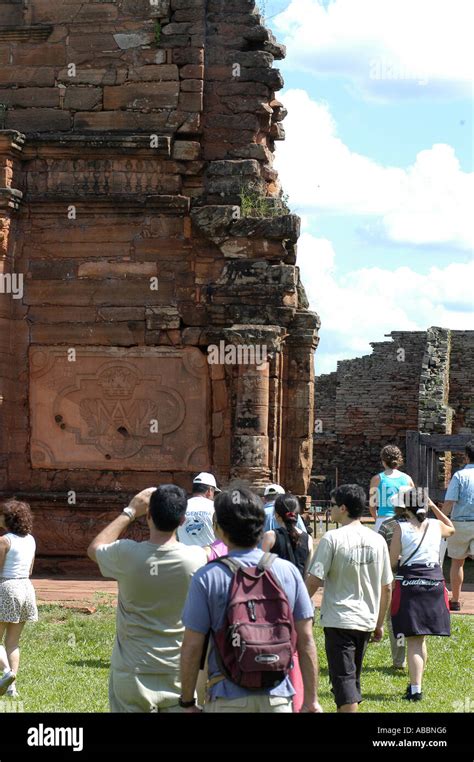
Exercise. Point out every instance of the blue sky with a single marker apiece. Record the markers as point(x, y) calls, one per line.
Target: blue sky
point(378, 163)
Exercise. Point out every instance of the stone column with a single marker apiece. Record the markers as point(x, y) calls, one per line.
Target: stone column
point(10, 150)
point(254, 348)
point(250, 431)
point(298, 403)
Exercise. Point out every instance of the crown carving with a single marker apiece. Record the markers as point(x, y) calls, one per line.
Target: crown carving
point(118, 382)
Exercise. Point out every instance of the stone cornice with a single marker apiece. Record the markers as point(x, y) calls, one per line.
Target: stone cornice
point(60, 145)
point(133, 204)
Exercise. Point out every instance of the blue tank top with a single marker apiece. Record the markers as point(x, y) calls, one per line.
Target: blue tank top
point(387, 488)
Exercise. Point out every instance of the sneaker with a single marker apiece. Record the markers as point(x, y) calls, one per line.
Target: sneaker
point(454, 605)
point(5, 681)
point(409, 696)
point(12, 692)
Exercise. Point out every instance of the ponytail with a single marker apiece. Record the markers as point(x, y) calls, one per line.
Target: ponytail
point(420, 514)
point(287, 508)
point(415, 503)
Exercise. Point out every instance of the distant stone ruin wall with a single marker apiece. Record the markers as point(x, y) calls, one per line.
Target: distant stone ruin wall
point(461, 381)
point(129, 130)
point(434, 413)
point(418, 381)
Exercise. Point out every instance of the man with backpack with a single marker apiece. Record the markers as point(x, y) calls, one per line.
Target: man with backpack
point(257, 611)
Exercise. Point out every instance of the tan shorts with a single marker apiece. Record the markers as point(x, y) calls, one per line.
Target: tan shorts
point(143, 693)
point(461, 543)
point(254, 704)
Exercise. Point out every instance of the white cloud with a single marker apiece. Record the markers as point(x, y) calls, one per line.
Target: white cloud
point(426, 203)
point(386, 48)
point(363, 305)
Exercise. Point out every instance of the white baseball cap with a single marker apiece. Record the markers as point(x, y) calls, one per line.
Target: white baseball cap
point(273, 489)
point(207, 479)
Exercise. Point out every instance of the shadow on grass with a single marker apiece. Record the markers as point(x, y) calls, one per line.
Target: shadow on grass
point(386, 671)
point(97, 663)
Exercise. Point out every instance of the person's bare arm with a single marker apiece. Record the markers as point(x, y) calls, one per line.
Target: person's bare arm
point(395, 547)
point(113, 530)
point(268, 541)
point(4, 548)
point(191, 652)
point(385, 597)
point(310, 555)
point(308, 658)
point(312, 584)
point(109, 534)
point(374, 483)
point(448, 506)
point(446, 525)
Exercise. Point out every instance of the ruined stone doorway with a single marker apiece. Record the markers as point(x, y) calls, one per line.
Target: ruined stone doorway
point(422, 452)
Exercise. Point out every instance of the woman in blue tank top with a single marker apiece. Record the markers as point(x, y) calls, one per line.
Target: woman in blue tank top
point(386, 485)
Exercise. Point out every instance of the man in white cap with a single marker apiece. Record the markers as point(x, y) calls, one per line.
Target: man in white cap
point(270, 494)
point(197, 528)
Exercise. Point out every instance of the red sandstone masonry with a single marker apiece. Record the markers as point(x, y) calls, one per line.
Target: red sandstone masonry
point(143, 210)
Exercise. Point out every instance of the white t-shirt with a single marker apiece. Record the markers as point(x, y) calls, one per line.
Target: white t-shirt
point(354, 563)
point(430, 547)
point(197, 528)
point(153, 584)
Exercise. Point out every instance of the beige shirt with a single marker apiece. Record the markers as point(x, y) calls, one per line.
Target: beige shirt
point(153, 583)
point(354, 563)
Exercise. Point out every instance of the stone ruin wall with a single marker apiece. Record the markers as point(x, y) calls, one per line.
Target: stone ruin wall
point(420, 380)
point(461, 386)
point(125, 169)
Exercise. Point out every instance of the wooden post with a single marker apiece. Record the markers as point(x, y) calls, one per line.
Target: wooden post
point(413, 455)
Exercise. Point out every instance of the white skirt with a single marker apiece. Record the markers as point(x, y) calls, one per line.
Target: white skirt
point(17, 601)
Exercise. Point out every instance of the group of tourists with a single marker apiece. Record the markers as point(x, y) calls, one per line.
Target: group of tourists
point(215, 609)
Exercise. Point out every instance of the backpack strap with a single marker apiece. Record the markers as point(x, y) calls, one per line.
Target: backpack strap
point(418, 546)
point(266, 561)
point(232, 563)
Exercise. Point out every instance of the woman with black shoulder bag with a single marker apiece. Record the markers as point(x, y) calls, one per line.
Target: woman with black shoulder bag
point(420, 604)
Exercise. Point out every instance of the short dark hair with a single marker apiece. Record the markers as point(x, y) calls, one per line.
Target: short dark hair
point(240, 514)
point(18, 517)
point(353, 497)
point(470, 450)
point(200, 489)
point(167, 507)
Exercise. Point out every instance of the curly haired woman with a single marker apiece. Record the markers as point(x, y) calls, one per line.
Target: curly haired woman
point(385, 485)
point(17, 595)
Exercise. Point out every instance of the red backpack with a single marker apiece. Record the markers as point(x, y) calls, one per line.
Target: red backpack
point(256, 643)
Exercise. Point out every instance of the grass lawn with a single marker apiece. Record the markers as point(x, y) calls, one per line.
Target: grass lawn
point(66, 655)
